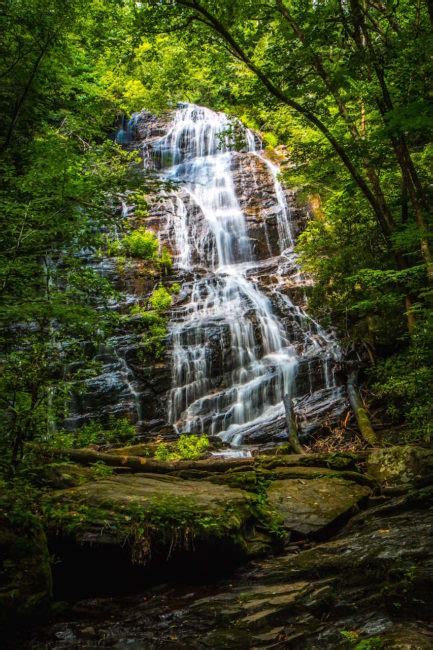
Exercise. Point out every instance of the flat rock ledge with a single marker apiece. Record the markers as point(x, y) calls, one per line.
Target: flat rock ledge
point(246, 510)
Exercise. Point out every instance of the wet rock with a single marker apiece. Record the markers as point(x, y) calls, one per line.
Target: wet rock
point(310, 506)
point(155, 515)
point(374, 581)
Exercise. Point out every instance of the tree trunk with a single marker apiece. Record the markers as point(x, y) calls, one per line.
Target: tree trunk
point(360, 412)
point(149, 465)
point(215, 465)
point(292, 427)
point(22, 98)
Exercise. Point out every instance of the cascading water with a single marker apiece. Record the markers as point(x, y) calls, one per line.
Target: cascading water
point(259, 362)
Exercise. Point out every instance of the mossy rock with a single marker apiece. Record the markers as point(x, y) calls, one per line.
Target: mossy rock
point(62, 475)
point(310, 506)
point(374, 579)
point(154, 514)
point(337, 461)
point(401, 466)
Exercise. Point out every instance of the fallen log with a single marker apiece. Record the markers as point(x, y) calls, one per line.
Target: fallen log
point(292, 427)
point(152, 466)
point(360, 412)
point(139, 464)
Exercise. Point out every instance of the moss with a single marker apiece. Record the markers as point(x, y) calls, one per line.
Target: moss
point(62, 475)
point(338, 461)
point(249, 480)
point(400, 465)
point(158, 515)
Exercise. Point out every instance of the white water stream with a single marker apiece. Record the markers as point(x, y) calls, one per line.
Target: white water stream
point(224, 303)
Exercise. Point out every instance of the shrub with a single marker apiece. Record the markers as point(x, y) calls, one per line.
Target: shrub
point(114, 247)
point(175, 288)
point(165, 259)
point(187, 447)
point(94, 433)
point(141, 243)
point(192, 447)
point(154, 340)
point(160, 299)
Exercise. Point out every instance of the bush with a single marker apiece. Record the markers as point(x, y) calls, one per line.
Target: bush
point(94, 433)
point(165, 259)
point(154, 340)
point(402, 382)
point(141, 243)
point(175, 288)
point(160, 299)
point(187, 447)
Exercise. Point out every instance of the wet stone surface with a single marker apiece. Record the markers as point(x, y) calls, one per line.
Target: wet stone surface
point(373, 579)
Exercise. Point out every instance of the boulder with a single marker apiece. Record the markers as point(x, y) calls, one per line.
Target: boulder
point(401, 467)
point(153, 516)
point(309, 507)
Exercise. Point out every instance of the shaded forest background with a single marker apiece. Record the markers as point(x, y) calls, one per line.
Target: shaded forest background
point(341, 92)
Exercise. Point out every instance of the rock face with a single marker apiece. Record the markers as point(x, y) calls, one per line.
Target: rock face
point(397, 468)
point(239, 338)
point(239, 341)
point(373, 580)
point(238, 508)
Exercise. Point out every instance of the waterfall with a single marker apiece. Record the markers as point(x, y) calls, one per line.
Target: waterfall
point(226, 309)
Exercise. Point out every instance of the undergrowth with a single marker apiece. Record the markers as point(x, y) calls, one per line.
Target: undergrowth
point(187, 447)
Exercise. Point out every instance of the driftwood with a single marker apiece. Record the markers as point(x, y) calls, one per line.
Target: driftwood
point(292, 427)
point(362, 418)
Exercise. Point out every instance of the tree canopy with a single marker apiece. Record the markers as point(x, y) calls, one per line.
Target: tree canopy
point(342, 86)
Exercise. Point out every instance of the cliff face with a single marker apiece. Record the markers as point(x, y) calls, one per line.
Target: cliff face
point(238, 324)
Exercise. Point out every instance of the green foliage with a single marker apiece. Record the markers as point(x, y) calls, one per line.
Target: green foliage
point(153, 341)
point(160, 299)
point(62, 177)
point(187, 447)
point(154, 320)
point(372, 643)
point(175, 288)
point(141, 243)
point(165, 259)
point(401, 380)
point(164, 524)
point(354, 114)
point(100, 470)
point(118, 430)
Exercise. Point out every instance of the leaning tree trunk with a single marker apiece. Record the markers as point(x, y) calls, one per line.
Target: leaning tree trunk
point(292, 427)
point(360, 412)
